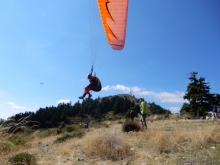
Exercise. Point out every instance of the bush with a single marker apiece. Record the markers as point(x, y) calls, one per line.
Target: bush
point(23, 158)
point(70, 128)
point(17, 139)
point(64, 137)
point(47, 132)
point(62, 125)
point(6, 147)
point(111, 147)
point(131, 126)
point(59, 130)
point(166, 116)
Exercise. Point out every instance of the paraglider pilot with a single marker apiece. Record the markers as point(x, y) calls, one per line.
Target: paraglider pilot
point(95, 85)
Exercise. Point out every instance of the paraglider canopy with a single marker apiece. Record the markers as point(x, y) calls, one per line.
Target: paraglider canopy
point(114, 19)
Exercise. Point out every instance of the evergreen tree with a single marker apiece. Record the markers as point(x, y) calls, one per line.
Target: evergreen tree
point(185, 108)
point(198, 95)
point(216, 100)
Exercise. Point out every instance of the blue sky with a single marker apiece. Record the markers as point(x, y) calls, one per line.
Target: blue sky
point(55, 42)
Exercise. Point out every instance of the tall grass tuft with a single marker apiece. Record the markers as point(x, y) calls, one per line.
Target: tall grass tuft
point(17, 139)
point(66, 136)
point(110, 146)
point(11, 126)
point(6, 147)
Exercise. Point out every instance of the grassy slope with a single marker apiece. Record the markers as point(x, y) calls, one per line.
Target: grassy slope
point(165, 142)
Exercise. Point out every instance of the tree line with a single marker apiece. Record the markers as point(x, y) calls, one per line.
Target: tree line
point(52, 116)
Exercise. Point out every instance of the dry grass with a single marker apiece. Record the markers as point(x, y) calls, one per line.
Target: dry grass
point(109, 146)
point(11, 126)
point(164, 142)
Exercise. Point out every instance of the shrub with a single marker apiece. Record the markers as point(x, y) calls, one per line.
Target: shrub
point(62, 125)
point(17, 139)
point(64, 137)
point(47, 132)
point(166, 116)
point(23, 158)
point(6, 147)
point(112, 147)
point(70, 128)
point(59, 130)
point(131, 126)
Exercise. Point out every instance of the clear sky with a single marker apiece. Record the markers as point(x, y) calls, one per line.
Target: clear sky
point(55, 42)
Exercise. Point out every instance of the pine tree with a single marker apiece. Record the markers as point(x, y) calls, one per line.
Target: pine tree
point(198, 95)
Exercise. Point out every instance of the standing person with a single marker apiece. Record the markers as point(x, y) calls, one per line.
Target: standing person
point(86, 124)
point(95, 85)
point(132, 115)
point(214, 112)
point(144, 111)
point(218, 112)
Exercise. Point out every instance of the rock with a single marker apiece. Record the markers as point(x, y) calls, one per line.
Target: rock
point(132, 149)
point(125, 163)
point(213, 147)
point(80, 159)
point(144, 160)
point(156, 158)
point(188, 163)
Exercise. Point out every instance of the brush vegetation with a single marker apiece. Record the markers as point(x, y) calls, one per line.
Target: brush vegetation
point(167, 141)
point(22, 159)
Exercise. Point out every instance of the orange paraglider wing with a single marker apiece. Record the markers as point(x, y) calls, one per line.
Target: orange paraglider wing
point(114, 19)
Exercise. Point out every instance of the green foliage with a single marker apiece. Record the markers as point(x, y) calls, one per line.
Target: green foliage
point(6, 147)
point(156, 109)
point(131, 126)
point(23, 158)
point(55, 117)
point(17, 139)
point(71, 128)
point(166, 116)
point(67, 136)
point(199, 96)
point(63, 138)
point(62, 125)
point(59, 130)
point(47, 132)
point(217, 99)
point(79, 134)
point(185, 108)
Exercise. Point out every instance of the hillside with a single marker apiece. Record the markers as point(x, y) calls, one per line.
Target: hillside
point(171, 142)
point(98, 108)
